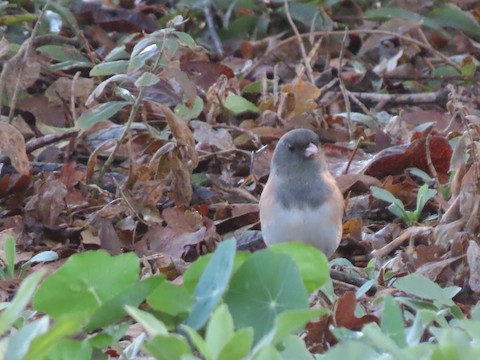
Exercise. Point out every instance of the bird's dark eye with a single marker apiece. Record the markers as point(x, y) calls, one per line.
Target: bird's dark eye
point(291, 148)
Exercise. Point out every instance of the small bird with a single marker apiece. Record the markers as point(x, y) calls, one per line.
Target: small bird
point(301, 200)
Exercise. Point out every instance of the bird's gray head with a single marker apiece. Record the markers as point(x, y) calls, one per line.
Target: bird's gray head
point(296, 152)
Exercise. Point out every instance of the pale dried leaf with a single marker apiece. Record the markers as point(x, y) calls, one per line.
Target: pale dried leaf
point(205, 134)
point(473, 254)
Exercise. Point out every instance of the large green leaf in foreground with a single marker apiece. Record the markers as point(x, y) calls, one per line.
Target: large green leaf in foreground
point(85, 282)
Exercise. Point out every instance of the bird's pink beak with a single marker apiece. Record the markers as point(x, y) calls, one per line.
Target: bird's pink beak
point(311, 151)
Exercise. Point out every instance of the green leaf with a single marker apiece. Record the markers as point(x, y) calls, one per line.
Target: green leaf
point(397, 208)
point(146, 79)
point(170, 299)
point(71, 350)
point(269, 352)
point(446, 70)
point(44, 256)
point(307, 13)
point(212, 284)
point(184, 38)
point(150, 323)
point(219, 330)
point(69, 64)
point(168, 347)
point(392, 322)
point(420, 173)
point(270, 281)
point(294, 348)
point(113, 310)
point(63, 53)
point(469, 68)
point(385, 195)
point(381, 340)
point(195, 271)
point(426, 289)
point(9, 20)
point(197, 341)
point(398, 13)
point(101, 112)
point(143, 44)
point(137, 61)
point(475, 312)
point(20, 301)
point(312, 263)
point(399, 213)
point(424, 194)
point(109, 68)
point(351, 350)
point(423, 318)
point(452, 16)
point(288, 322)
point(9, 248)
point(239, 345)
point(19, 342)
point(255, 87)
point(66, 15)
point(85, 282)
point(188, 114)
point(237, 104)
point(293, 320)
point(62, 328)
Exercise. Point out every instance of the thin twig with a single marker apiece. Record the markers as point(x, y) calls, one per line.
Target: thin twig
point(410, 99)
point(355, 150)
point(430, 163)
point(360, 104)
point(72, 97)
point(217, 44)
point(308, 67)
point(343, 88)
point(420, 231)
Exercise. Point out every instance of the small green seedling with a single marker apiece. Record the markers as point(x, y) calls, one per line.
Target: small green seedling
point(396, 206)
point(7, 266)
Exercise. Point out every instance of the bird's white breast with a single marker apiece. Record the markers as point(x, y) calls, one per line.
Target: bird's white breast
point(319, 227)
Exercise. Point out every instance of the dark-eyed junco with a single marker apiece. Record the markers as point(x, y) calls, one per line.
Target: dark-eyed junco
point(301, 201)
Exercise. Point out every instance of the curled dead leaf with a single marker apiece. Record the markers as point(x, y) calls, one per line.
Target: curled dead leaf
point(183, 159)
point(396, 159)
point(12, 144)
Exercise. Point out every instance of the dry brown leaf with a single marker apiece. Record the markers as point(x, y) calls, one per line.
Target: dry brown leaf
point(30, 73)
point(90, 236)
point(181, 182)
point(64, 89)
point(344, 314)
point(182, 220)
point(109, 239)
point(183, 159)
point(396, 159)
point(49, 201)
point(304, 96)
point(431, 270)
point(12, 144)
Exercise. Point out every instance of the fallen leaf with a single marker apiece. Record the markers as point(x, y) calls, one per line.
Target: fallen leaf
point(12, 144)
